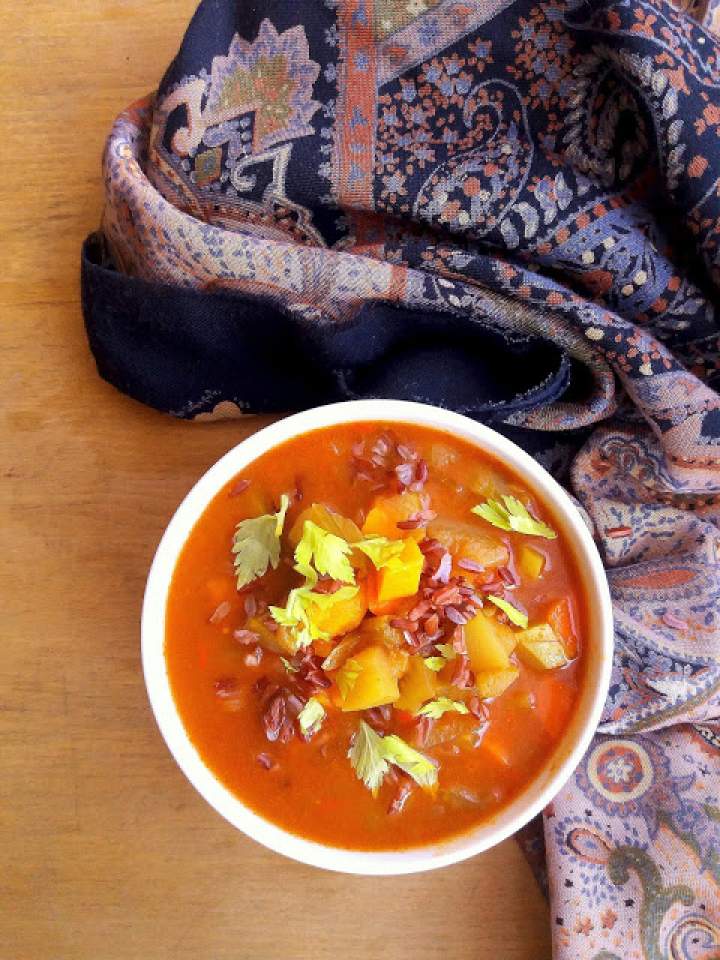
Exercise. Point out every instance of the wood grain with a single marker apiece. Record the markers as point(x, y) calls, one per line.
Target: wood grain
point(107, 851)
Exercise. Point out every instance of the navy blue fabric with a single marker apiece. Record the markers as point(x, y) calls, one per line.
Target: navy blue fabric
point(162, 345)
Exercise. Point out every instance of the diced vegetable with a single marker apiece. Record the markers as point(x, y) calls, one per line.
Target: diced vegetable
point(382, 520)
point(506, 634)
point(559, 616)
point(342, 617)
point(442, 456)
point(417, 686)
point(540, 647)
point(553, 703)
point(326, 518)
point(380, 551)
point(305, 607)
point(531, 562)
point(523, 699)
point(482, 480)
point(466, 541)
point(378, 630)
point(338, 653)
point(323, 646)
point(367, 680)
point(399, 578)
point(277, 641)
point(543, 656)
point(493, 683)
point(486, 646)
point(458, 729)
point(399, 659)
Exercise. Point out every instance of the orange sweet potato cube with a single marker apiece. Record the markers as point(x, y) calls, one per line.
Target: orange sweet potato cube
point(399, 579)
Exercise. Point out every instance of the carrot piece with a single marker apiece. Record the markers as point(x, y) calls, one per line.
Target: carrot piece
point(496, 748)
point(560, 617)
point(553, 703)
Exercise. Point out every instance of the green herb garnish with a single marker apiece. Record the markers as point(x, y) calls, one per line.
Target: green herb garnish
point(436, 708)
point(447, 650)
point(370, 755)
point(415, 764)
point(323, 552)
point(511, 514)
point(513, 614)
point(367, 757)
point(297, 614)
point(435, 663)
point(380, 550)
point(256, 544)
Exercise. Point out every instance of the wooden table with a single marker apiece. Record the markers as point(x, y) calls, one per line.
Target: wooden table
point(107, 851)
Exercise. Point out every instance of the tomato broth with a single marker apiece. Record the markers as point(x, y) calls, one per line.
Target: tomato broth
point(448, 702)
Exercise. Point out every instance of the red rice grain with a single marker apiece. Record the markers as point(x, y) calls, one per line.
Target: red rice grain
point(238, 488)
point(220, 612)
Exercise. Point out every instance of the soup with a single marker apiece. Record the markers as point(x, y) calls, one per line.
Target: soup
point(374, 636)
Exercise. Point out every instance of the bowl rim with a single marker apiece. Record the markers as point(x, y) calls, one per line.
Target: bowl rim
point(536, 794)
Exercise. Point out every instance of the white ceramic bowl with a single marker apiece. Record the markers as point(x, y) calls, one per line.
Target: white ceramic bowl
point(597, 644)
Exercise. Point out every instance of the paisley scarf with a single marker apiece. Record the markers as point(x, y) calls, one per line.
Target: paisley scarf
point(512, 208)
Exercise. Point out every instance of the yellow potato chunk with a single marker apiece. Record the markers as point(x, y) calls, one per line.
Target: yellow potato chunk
point(531, 562)
point(469, 542)
point(492, 683)
point(541, 648)
point(441, 456)
point(367, 680)
point(400, 578)
point(486, 644)
point(327, 519)
point(378, 630)
point(383, 518)
point(344, 616)
point(483, 481)
point(398, 661)
point(417, 686)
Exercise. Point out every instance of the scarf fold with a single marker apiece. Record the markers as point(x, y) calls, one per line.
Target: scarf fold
point(507, 207)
